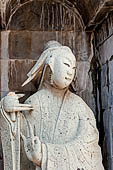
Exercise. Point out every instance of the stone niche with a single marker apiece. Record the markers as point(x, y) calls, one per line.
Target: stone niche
point(29, 26)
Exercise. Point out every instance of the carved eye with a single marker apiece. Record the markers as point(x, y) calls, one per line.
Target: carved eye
point(67, 64)
point(74, 68)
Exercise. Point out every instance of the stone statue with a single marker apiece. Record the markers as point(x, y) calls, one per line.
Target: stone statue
point(57, 128)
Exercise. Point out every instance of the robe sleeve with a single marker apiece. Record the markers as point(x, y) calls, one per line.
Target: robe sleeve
point(29, 117)
point(83, 153)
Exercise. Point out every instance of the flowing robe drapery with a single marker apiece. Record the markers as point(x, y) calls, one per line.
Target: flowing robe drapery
point(67, 130)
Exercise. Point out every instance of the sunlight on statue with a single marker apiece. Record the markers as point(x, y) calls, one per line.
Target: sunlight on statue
point(57, 128)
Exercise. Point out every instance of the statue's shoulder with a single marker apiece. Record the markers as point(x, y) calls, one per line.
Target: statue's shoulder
point(37, 96)
point(77, 98)
point(84, 109)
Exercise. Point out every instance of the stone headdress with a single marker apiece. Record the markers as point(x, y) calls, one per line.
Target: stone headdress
point(46, 59)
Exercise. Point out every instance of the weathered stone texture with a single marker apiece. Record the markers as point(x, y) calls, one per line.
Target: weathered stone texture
point(111, 70)
point(17, 74)
point(87, 93)
point(108, 127)
point(106, 50)
point(82, 75)
point(19, 45)
point(1, 156)
point(44, 16)
point(4, 76)
point(4, 48)
point(105, 30)
point(87, 9)
point(104, 57)
point(29, 44)
point(104, 76)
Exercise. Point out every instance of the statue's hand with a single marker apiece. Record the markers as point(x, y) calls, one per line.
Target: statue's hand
point(32, 146)
point(11, 103)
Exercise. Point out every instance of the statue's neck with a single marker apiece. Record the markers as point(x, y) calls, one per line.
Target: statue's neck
point(54, 89)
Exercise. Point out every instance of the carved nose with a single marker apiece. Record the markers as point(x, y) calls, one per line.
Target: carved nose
point(69, 72)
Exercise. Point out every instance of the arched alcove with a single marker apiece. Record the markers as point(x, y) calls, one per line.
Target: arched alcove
point(42, 20)
point(87, 9)
point(45, 16)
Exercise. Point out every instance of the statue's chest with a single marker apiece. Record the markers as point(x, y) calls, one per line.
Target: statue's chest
point(59, 121)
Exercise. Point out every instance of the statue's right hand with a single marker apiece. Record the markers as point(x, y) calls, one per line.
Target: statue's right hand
point(11, 103)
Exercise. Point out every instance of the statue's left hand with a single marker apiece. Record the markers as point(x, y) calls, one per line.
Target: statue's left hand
point(32, 146)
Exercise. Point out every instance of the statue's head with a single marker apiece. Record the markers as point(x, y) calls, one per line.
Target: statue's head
point(58, 61)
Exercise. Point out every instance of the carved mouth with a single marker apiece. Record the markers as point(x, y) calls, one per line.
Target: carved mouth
point(67, 78)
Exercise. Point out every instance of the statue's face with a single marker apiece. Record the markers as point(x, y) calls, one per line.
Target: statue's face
point(64, 70)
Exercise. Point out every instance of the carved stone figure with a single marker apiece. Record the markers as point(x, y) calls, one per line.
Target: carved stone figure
point(57, 127)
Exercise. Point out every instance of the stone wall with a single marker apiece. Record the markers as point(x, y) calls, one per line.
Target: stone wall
point(21, 49)
point(102, 75)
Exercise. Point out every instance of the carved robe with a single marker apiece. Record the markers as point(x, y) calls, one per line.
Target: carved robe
point(67, 129)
